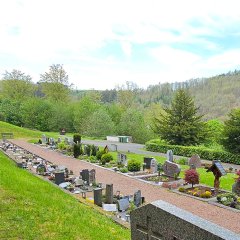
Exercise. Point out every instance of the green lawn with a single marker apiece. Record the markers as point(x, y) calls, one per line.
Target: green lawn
point(31, 208)
point(205, 178)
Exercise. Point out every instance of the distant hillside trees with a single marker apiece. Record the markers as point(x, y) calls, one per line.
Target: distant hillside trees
point(180, 124)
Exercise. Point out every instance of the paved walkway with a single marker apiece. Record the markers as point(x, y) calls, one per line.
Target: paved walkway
point(127, 185)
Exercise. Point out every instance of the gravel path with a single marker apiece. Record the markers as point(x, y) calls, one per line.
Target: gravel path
point(127, 185)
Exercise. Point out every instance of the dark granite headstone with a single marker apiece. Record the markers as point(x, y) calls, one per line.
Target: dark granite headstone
point(109, 193)
point(162, 221)
point(97, 194)
point(85, 175)
point(59, 177)
point(147, 162)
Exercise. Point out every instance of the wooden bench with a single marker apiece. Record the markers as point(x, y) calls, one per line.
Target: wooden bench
point(7, 136)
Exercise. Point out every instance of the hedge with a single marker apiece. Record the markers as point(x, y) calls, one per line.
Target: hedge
point(204, 153)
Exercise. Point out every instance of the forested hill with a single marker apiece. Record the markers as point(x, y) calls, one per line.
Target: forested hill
point(214, 96)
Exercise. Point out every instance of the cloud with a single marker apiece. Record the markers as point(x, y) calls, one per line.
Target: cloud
point(178, 40)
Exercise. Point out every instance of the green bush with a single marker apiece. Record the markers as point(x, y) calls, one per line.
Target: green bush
point(203, 152)
point(61, 146)
point(77, 138)
point(88, 149)
point(99, 154)
point(76, 150)
point(134, 165)
point(92, 159)
point(94, 150)
point(107, 157)
point(182, 161)
point(123, 170)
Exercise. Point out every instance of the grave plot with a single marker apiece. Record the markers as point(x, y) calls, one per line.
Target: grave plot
point(201, 191)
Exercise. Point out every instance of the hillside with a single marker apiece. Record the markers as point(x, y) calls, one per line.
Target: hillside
point(35, 209)
point(215, 96)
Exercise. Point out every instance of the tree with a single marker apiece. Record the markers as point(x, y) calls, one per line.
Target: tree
point(55, 83)
point(180, 123)
point(82, 112)
point(56, 74)
point(191, 176)
point(37, 114)
point(231, 133)
point(17, 86)
point(100, 124)
point(11, 111)
point(214, 129)
point(132, 124)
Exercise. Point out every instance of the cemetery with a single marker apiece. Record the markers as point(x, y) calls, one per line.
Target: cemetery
point(84, 185)
point(167, 174)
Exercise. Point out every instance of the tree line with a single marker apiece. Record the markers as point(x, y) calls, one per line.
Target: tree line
point(51, 105)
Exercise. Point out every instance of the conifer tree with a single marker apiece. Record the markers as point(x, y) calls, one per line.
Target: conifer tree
point(231, 141)
point(180, 124)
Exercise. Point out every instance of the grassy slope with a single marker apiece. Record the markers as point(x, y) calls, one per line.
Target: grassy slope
point(34, 209)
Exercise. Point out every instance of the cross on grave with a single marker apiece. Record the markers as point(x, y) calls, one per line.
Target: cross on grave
point(147, 232)
point(218, 171)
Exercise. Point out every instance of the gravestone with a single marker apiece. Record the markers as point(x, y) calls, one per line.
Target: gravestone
point(92, 177)
point(71, 142)
point(170, 155)
point(113, 147)
point(66, 141)
point(59, 140)
point(160, 220)
point(123, 204)
point(154, 166)
point(78, 182)
point(109, 193)
point(137, 198)
point(122, 159)
point(97, 195)
point(195, 161)
point(44, 139)
point(147, 162)
point(171, 169)
point(110, 207)
point(51, 141)
point(85, 175)
point(59, 177)
point(236, 188)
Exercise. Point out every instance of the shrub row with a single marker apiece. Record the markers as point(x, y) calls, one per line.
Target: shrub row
point(204, 153)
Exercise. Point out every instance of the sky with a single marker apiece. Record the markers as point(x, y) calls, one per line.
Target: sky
point(104, 44)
